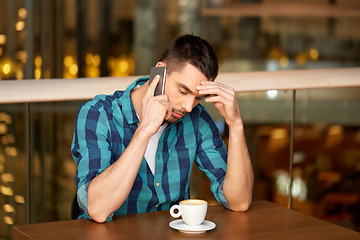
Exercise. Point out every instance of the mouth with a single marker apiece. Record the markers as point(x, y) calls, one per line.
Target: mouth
point(177, 114)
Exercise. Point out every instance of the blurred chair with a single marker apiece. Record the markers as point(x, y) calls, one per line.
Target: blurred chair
point(75, 209)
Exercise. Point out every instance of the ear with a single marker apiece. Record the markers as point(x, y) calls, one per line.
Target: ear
point(160, 64)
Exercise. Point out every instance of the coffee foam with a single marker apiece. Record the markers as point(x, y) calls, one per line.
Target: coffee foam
point(193, 202)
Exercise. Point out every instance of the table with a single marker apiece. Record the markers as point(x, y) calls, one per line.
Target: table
point(264, 220)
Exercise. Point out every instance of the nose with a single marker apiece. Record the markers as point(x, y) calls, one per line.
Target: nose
point(188, 103)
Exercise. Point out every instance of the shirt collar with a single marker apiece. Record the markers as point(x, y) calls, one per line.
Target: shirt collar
point(127, 104)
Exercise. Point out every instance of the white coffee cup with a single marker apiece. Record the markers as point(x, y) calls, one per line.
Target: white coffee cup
point(192, 211)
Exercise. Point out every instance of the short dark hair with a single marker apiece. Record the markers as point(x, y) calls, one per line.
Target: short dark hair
point(191, 49)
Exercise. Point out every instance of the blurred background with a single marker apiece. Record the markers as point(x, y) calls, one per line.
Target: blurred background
point(42, 39)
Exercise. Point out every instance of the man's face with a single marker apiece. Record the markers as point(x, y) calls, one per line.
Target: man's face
point(180, 87)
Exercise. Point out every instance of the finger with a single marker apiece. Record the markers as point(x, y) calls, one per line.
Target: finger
point(229, 106)
point(153, 85)
point(228, 94)
point(214, 98)
point(224, 99)
point(168, 113)
point(213, 87)
point(211, 83)
point(223, 88)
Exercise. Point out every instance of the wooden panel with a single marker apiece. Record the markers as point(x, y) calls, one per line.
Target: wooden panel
point(264, 220)
point(86, 88)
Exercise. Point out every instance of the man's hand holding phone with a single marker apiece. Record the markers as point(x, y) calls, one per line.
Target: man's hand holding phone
point(155, 109)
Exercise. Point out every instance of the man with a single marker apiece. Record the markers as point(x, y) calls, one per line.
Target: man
point(135, 151)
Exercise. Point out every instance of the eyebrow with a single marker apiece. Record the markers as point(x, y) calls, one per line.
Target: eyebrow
point(185, 87)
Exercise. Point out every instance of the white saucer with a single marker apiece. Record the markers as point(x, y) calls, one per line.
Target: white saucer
point(182, 227)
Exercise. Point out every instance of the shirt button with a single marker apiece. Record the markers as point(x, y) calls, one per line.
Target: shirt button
point(157, 184)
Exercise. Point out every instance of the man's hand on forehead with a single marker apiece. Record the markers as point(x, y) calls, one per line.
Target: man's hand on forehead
point(224, 98)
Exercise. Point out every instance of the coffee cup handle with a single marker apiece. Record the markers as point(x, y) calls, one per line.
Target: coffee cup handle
point(173, 214)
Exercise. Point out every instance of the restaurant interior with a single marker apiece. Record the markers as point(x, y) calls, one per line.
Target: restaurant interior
point(71, 39)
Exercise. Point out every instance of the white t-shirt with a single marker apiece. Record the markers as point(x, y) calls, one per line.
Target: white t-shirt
point(152, 147)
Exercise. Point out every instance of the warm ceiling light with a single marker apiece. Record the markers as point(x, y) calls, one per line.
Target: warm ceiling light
point(19, 199)
point(22, 13)
point(6, 191)
point(38, 61)
point(73, 69)
point(8, 208)
point(279, 133)
point(19, 26)
point(314, 54)
point(2, 39)
point(8, 220)
point(68, 60)
point(335, 130)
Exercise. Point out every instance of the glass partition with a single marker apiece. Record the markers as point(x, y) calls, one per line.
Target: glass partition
point(53, 169)
point(326, 156)
point(12, 167)
point(52, 184)
point(326, 162)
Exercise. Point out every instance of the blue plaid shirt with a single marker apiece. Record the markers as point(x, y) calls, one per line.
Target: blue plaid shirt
point(105, 126)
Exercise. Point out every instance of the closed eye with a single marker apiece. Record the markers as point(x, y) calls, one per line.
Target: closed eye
point(182, 92)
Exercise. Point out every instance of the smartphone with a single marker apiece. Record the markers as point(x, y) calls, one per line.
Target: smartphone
point(161, 71)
